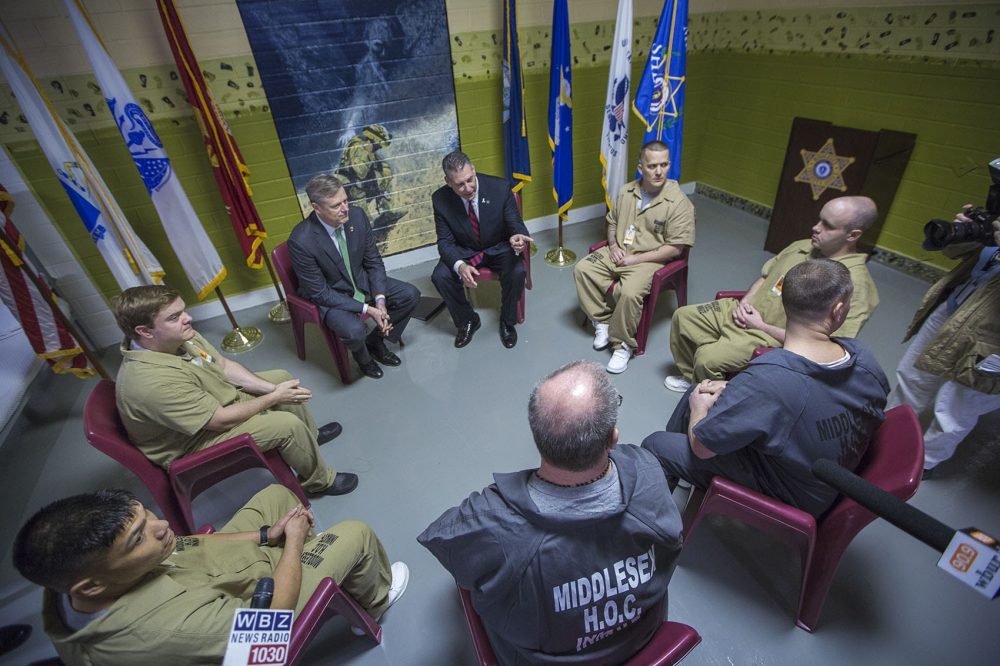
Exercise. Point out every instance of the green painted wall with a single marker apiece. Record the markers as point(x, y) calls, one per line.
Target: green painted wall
point(934, 71)
point(738, 126)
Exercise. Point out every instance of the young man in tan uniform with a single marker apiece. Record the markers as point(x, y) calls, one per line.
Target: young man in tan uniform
point(651, 223)
point(122, 589)
point(176, 394)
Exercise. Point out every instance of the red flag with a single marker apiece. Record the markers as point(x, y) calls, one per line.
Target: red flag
point(32, 304)
point(231, 172)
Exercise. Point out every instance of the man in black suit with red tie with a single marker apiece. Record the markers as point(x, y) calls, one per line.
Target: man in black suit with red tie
point(478, 225)
point(345, 290)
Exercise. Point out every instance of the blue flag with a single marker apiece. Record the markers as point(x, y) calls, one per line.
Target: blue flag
point(515, 126)
point(561, 111)
point(659, 99)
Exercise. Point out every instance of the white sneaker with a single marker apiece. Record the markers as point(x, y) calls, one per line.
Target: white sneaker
point(600, 336)
point(677, 383)
point(400, 579)
point(619, 360)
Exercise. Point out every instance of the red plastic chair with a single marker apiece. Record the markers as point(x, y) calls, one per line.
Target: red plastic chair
point(176, 488)
point(894, 462)
point(328, 600)
point(673, 275)
point(487, 274)
point(305, 312)
point(669, 645)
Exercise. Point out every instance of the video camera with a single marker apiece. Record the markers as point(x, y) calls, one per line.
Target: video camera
point(940, 233)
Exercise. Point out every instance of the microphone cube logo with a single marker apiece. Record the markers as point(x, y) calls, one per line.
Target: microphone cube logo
point(963, 557)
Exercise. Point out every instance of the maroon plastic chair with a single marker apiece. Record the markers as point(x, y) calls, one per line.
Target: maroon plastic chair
point(673, 275)
point(176, 488)
point(487, 274)
point(328, 600)
point(669, 645)
point(894, 462)
point(305, 312)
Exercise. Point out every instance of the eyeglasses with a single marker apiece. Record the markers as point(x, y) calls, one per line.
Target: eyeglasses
point(621, 399)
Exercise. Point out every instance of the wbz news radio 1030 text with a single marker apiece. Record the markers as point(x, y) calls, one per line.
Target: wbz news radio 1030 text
point(259, 637)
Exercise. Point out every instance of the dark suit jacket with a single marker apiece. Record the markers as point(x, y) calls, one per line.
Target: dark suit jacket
point(321, 271)
point(498, 221)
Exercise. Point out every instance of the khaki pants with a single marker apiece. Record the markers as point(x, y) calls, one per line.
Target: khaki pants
point(290, 429)
point(349, 552)
point(706, 343)
point(594, 274)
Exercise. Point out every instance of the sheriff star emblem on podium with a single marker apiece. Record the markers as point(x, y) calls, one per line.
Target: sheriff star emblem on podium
point(823, 169)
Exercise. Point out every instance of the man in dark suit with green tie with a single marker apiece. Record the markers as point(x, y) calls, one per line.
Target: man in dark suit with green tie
point(319, 247)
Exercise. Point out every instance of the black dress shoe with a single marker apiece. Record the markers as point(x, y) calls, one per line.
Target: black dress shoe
point(382, 354)
point(465, 333)
point(328, 432)
point(342, 484)
point(508, 335)
point(13, 636)
point(371, 369)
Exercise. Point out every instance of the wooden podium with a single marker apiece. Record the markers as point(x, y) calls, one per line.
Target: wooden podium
point(823, 162)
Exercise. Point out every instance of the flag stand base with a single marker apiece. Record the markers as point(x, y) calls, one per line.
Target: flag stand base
point(242, 339)
point(279, 313)
point(560, 256)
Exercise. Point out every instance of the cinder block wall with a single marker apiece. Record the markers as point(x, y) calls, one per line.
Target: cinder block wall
point(932, 69)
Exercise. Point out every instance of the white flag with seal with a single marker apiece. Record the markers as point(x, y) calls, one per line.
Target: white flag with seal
point(129, 260)
point(614, 135)
point(187, 236)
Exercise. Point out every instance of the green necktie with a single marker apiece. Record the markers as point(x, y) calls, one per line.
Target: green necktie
point(342, 242)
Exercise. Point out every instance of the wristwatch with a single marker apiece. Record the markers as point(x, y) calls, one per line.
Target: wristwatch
point(263, 534)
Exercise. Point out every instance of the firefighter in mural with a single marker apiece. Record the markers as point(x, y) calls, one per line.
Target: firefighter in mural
point(367, 177)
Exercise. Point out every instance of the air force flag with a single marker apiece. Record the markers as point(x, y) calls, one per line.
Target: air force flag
point(195, 251)
point(659, 99)
point(614, 136)
point(561, 111)
point(127, 257)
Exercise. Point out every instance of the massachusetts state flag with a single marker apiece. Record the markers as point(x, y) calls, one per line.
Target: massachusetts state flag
point(515, 126)
point(561, 111)
point(659, 99)
point(195, 251)
point(33, 304)
point(129, 260)
point(614, 135)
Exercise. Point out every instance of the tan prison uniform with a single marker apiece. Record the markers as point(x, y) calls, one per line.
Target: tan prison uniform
point(182, 611)
point(667, 220)
point(706, 342)
point(165, 401)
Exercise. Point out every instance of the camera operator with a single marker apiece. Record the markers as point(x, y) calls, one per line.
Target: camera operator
point(954, 331)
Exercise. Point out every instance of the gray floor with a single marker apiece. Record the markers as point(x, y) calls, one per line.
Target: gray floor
point(432, 431)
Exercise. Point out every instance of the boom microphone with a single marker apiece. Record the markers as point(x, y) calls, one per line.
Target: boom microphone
point(969, 554)
point(911, 520)
point(262, 593)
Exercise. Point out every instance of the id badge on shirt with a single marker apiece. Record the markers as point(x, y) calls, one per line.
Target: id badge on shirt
point(629, 236)
point(776, 289)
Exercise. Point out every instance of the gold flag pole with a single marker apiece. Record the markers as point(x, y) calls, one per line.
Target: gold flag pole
point(279, 313)
point(560, 256)
point(239, 339)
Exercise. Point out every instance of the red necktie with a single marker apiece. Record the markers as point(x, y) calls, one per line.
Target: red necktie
point(473, 220)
